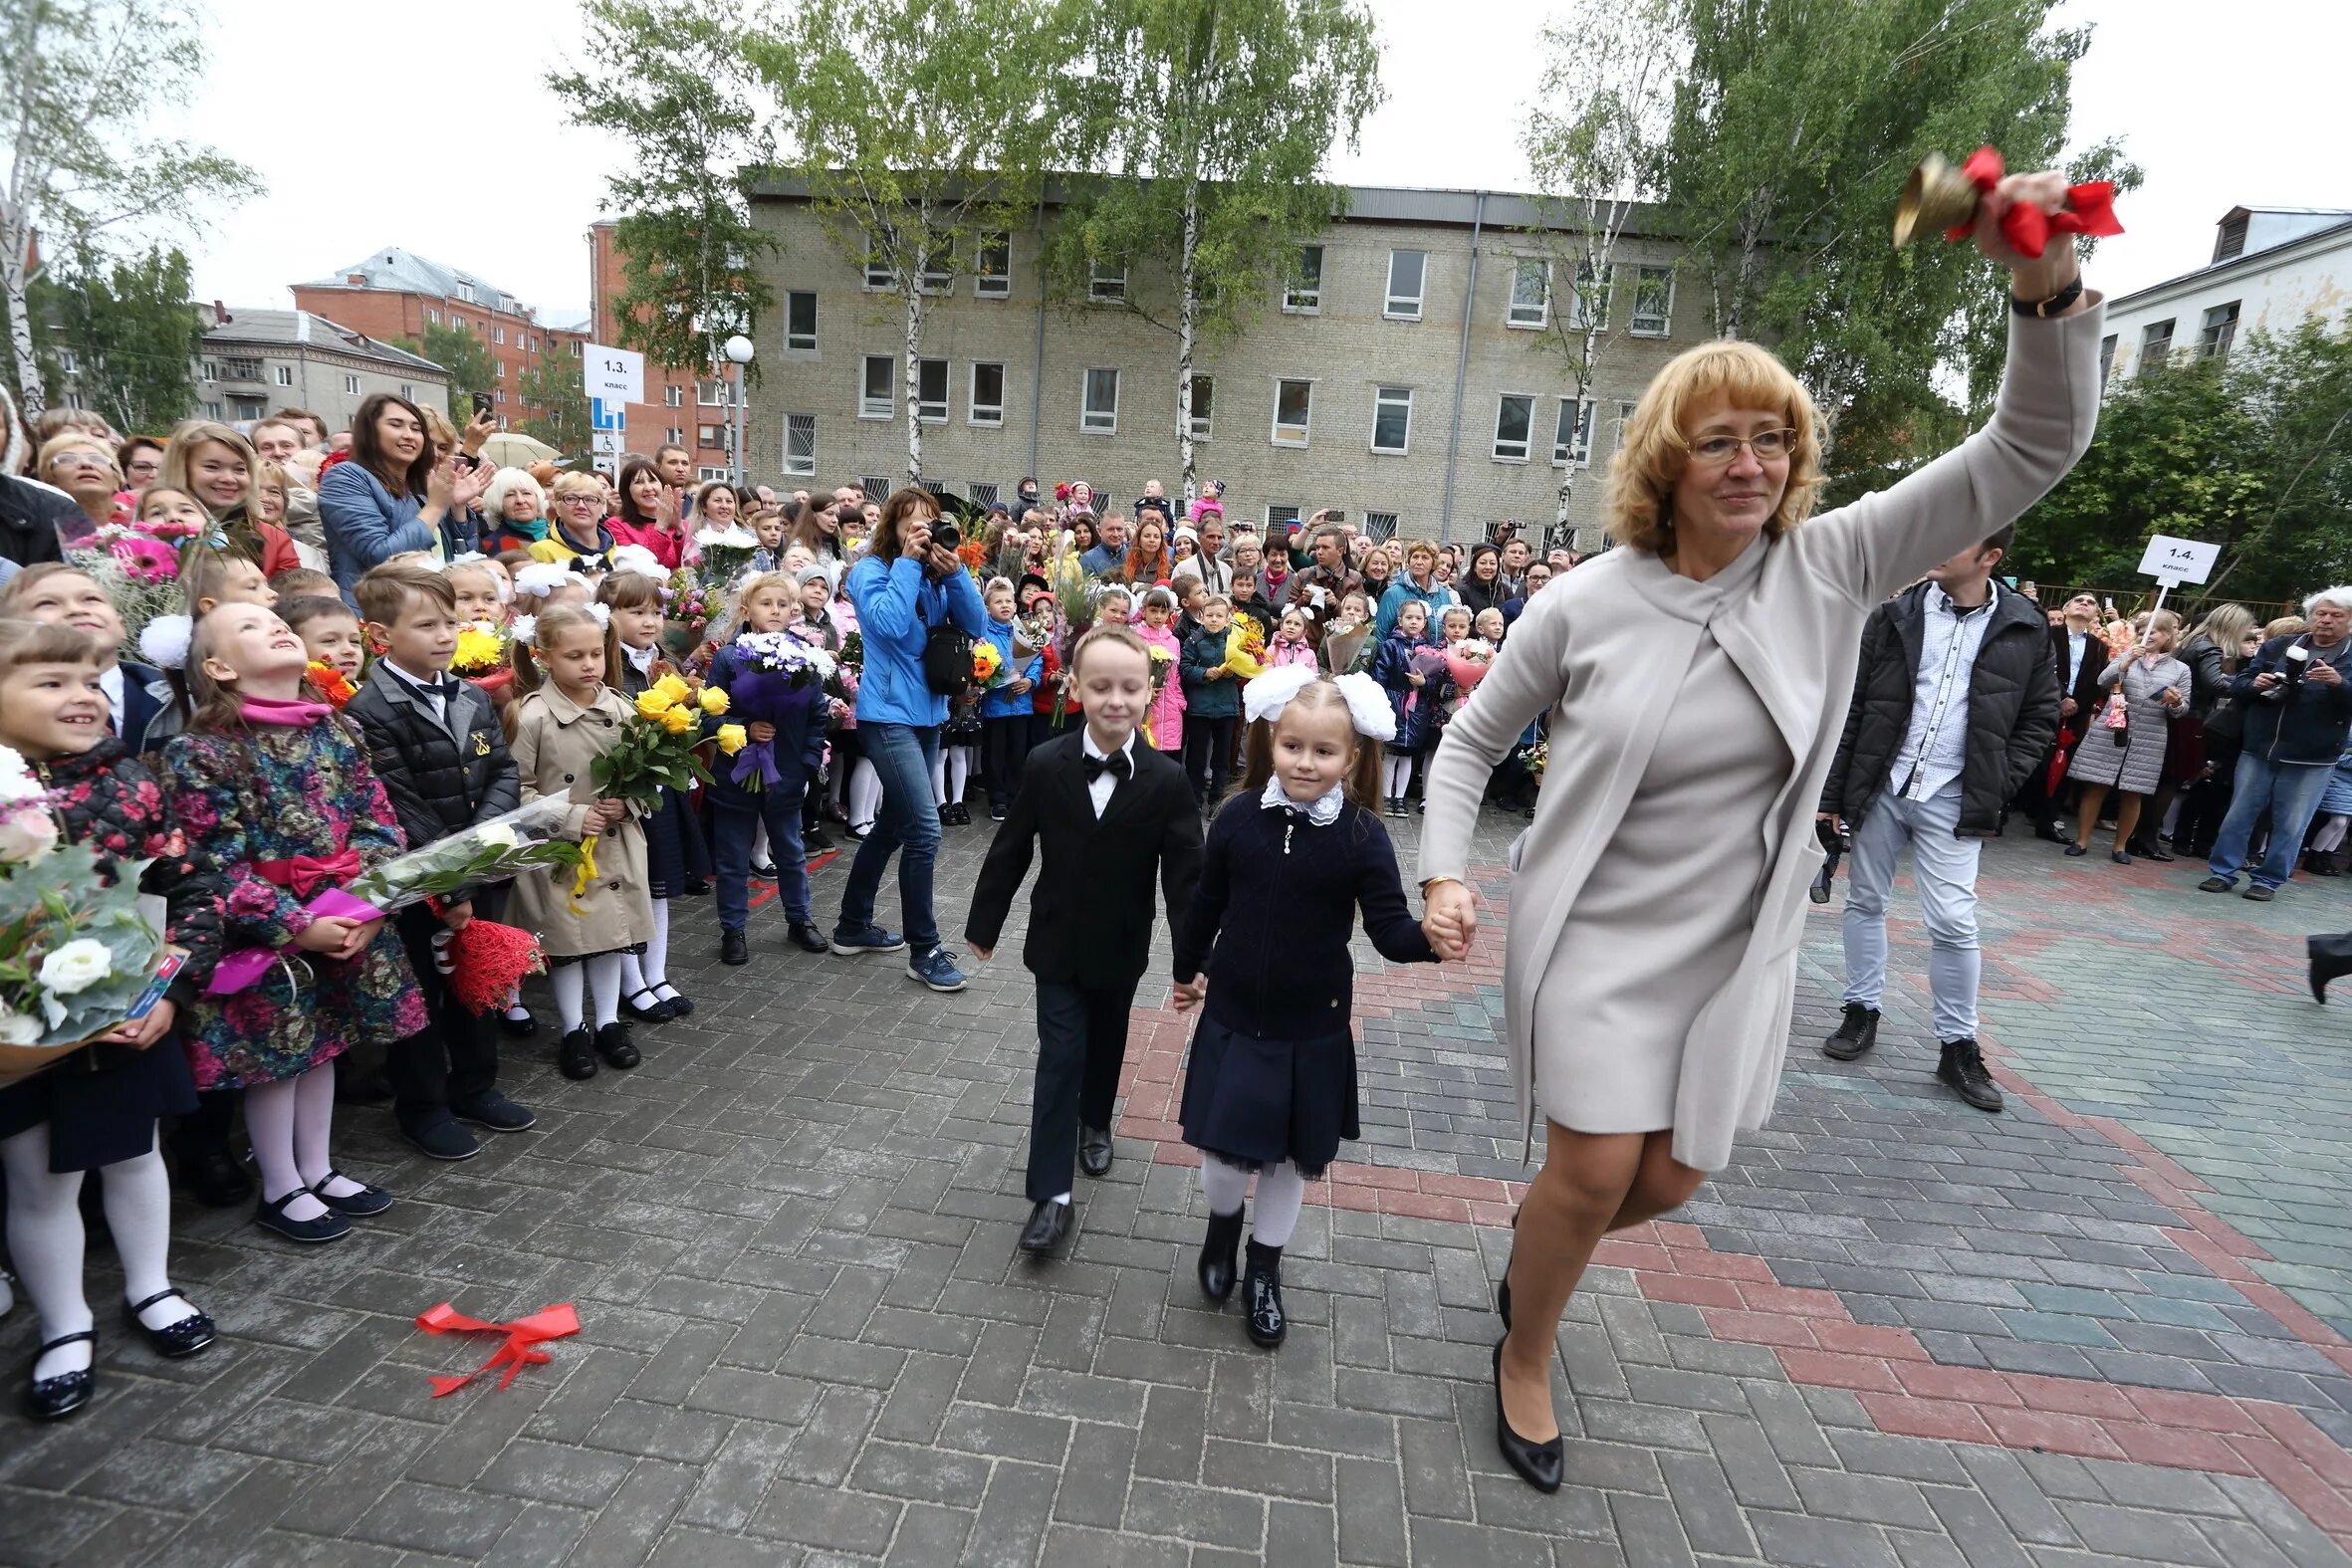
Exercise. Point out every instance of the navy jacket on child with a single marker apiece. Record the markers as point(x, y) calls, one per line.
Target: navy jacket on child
point(1204, 698)
point(799, 747)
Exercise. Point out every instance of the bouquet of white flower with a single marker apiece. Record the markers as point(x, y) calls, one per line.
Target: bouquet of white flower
point(719, 554)
point(492, 851)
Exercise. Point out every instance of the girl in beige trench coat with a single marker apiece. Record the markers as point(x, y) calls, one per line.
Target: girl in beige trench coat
point(1698, 679)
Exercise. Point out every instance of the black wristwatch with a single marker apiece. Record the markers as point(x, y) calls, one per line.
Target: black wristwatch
point(2051, 306)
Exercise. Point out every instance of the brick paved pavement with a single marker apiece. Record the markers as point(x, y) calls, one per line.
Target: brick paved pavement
point(2105, 1328)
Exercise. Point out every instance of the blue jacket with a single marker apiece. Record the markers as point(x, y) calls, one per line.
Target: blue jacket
point(1204, 698)
point(1102, 558)
point(1402, 593)
point(365, 525)
point(800, 735)
point(897, 605)
point(1414, 706)
point(999, 701)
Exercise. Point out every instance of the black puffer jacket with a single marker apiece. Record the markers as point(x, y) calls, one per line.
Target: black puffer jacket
point(441, 777)
point(2013, 709)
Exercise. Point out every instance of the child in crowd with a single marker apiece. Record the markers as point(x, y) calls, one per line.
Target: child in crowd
point(1191, 593)
point(300, 583)
point(1270, 1085)
point(2154, 685)
point(279, 803)
point(1249, 600)
point(1453, 624)
point(1291, 644)
point(176, 509)
point(1112, 817)
point(331, 635)
point(1167, 708)
point(1397, 669)
point(143, 712)
point(1117, 608)
point(763, 785)
point(959, 752)
point(814, 624)
point(436, 743)
point(1212, 702)
point(1004, 708)
point(1488, 624)
point(567, 719)
point(479, 590)
point(677, 857)
point(768, 524)
point(1347, 640)
point(97, 1109)
point(213, 572)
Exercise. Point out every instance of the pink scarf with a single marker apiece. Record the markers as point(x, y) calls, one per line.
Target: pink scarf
point(289, 713)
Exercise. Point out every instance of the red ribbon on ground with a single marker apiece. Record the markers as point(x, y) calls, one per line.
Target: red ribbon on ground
point(2090, 209)
point(518, 1350)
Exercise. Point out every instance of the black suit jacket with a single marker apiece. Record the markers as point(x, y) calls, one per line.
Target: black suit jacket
point(2086, 691)
point(1091, 917)
point(443, 774)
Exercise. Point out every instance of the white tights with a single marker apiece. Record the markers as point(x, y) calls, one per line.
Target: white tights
point(1396, 777)
point(291, 1121)
point(601, 979)
point(950, 769)
point(2330, 836)
point(652, 971)
point(1282, 1192)
point(865, 796)
point(46, 1240)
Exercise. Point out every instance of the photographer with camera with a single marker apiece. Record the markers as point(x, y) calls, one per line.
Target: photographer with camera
point(917, 612)
point(1956, 700)
point(2297, 710)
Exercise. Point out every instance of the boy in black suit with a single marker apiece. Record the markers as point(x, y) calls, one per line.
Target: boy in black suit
point(1110, 813)
point(438, 744)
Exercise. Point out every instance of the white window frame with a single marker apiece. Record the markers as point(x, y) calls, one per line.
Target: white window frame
point(210, 369)
point(880, 276)
point(351, 386)
point(2153, 348)
point(934, 410)
point(1402, 307)
point(804, 465)
point(2217, 330)
point(408, 390)
point(673, 397)
point(1306, 429)
point(1644, 324)
point(1624, 418)
point(1588, 292)
point(720, 445)
point(987, 284)
point(1381, 399)
point(1106, 288)
point(1496, 448)
point(1201, 422)
point(1090, 419)
point(706, 397)
point(676, 436)
point(1514, 314)
point(498, 336)
point(433, 316)
point(498, 396)
point(800, 343)
point(1588, 412)
point(285, 374)
point(1300, 298)
point(498, 371)
point(867, 407)
point(927, 277)
point(977, 412)
point(708, 473)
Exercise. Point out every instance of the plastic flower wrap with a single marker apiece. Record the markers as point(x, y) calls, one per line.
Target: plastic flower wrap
point(1535, 757)
point(492, 851)
point(721, 553)
point(688, 613)
point(1245, 648)
point(328, 682)
point(1032, 634)
point(137, 596)
point(481, 648)
point(1468, 660)
point(986, 663)
point(774, 669)
point(76, 952)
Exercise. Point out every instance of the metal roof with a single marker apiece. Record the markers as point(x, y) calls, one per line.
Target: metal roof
point(405, 272)
point(2267, 256)
point(289, 328)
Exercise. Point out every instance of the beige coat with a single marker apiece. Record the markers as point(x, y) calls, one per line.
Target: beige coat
point(555, 742)
point(1601, 647)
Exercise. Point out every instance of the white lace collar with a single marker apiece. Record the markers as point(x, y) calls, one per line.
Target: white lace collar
point(1322, 811)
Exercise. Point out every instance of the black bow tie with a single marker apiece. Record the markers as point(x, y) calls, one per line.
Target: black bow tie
point(1116, 765)
point(441, 686)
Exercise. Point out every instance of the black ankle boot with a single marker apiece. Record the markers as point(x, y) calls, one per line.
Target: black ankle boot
point(1261, 1295)
point(1217, 1254)
point(576, 1054)
point(615, 1047)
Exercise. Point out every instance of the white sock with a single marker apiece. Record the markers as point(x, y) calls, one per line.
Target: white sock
point(603, 978)
point(568, 982)
point(44, 1240)
point(314, 1122)
point(518, 1012)
point(865, 796)
point(760, 855)
point(138, 1198)
point(632, 971)
point(1282, 1192)
point(1226, 1186)
point(655, 964)
point(1061, 1197)
point(269, 1118)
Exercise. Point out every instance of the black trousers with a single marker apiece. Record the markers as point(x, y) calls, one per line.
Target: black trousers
point(1004, 749)
point(1208, 752)
point(1081, 1046)
point(2043, 805)
point(454, 1058)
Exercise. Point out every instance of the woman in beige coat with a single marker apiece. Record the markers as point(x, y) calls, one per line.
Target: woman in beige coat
point(1698, 679)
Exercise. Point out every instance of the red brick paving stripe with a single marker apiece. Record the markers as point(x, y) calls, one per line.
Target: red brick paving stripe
point(1836, 1370)
point(1903, 1416)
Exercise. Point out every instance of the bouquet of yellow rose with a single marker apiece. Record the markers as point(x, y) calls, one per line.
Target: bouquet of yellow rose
point(660, 747)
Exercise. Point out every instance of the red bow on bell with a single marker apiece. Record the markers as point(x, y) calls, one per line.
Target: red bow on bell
point(514, 1353)
point(2090, 209)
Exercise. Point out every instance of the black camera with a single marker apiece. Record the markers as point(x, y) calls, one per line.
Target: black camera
point(946, 536)
point(1832, 839)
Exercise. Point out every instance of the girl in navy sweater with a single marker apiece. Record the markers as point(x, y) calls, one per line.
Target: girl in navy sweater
point(1271, 1086)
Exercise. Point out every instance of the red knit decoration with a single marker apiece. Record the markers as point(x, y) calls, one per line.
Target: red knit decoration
point(488, 961)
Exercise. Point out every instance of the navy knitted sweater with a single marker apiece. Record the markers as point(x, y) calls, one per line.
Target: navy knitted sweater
point(1270, 920)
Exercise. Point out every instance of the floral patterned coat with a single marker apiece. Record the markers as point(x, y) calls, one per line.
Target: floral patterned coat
point(272, 794)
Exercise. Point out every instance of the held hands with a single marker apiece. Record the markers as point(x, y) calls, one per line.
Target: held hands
point(2067, 706)
point(338, 936)
point(459, 915)
point(1015, 687)
point(2171, 697)
point(1188, 992)
point(606, 814)
point(1416, 678)
point(140, 1033)
point(1450, 919)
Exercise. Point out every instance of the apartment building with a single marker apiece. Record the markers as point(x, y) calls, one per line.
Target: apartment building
point(1404, 374)
point(255, 360)
point(394, 294)
point(2272, 268)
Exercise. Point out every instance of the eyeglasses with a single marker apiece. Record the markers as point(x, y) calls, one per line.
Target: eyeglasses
point(1765, 446)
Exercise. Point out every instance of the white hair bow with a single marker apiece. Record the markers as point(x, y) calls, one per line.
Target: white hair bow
point(163, 641)
point(640, 561)
point(1265, 696)
point(1368, 705)
point(540, 578)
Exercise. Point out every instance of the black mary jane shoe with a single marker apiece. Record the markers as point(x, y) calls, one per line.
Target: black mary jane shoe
point(2078, 851)
point(649, 1010)
point(47, 1399)
point(1538, 1464)
point(270, 1214)
point(1262, 1296)
point(1217, 1250)
point(357, 1206)
point(190, 1336)
point(521, 1028)
point(677, 1006)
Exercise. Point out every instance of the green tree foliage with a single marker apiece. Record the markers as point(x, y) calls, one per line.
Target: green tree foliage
point(79, 80)
point(555, 387)
point(671, 79)
point(133, 332)
point(2254, 453)
point(1794, 129)
point(1206, 126)
point(460, 351)
point(918, 127)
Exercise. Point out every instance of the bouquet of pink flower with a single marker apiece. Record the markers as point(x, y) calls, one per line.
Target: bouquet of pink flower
point(1468, 661)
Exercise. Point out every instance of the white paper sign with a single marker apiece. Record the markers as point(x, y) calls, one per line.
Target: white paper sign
point(617, 376)
point(2179, 559)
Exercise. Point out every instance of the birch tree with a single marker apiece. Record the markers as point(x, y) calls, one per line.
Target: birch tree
point(79, 80)
point(919, 129)
point(1595, 141)
point(1205, 125)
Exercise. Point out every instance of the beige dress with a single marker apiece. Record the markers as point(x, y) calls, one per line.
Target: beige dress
point(1665, 913)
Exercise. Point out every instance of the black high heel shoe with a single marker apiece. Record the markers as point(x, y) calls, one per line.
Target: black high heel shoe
point(46, 1399)
point(1538, 1464)
point(189, 1336)
point(1503, 1286)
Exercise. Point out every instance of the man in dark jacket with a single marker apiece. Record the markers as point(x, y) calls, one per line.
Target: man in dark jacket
point(438, 744)
point(2299, 707)
point(1956, 699)
point(2078, 653)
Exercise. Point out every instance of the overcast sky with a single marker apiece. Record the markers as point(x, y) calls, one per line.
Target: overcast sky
point(2222, 105)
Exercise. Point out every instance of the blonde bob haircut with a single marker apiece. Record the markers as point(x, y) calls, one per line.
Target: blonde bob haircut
point(1640, 508)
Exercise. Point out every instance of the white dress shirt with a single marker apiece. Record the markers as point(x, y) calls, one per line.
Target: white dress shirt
point(1100, 789)
point(1936, 749)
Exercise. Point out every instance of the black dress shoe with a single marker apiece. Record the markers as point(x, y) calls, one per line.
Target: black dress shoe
point(440, 1138)
point(575, 1056)
point(1261, 1296)
point(1538, 1464)
point(2053, 833)
point(734, 948)
point(814, 841)
point(494, 1111)
point(190, 1336)
point(521, 1028)
point(645, 1006)
point(1094, 1151)
point(360, 1205)
point(270, 1214)
point(807, 939)
point(1856, 1033)
point(1215, 1266)
point(677, 1006)
point(615, 1047)
point(2331, 957)
point(2217, 884)
point(2121, 858)
point(2154, 850)
point(1963, 1068)
point(765, 870)
point(2076, 851)
point(215, 1180)
point(46, 1399)
point(1048, 1223)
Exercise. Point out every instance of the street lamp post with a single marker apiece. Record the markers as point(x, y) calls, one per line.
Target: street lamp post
point(738, 350)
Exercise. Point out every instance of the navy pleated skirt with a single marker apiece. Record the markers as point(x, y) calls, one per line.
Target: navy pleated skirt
point(102, 1103)
point(677, 856)
point(1257, 1102)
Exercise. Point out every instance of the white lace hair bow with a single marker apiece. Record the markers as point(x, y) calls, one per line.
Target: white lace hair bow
point(163, 641)
point(1265, 696)
point(540, 578)
point(640, 561)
